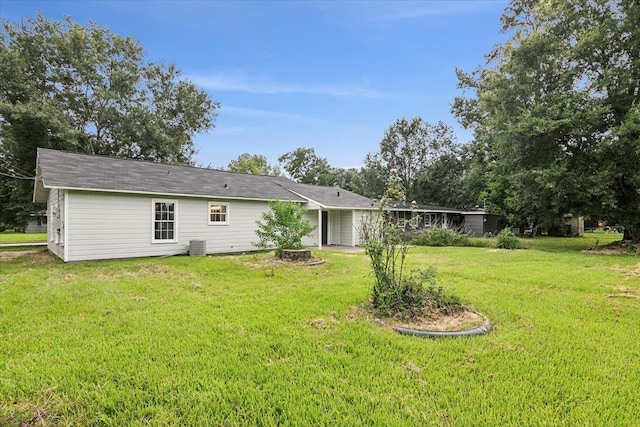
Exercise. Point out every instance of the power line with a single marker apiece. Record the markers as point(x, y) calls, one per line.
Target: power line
point(14, 168)
point(18, 177)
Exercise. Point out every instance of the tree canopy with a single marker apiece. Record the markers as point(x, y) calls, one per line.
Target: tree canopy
point(421, 154)
point(83, 88)
point(305, 166)
point(555, 113)
point(255, 164)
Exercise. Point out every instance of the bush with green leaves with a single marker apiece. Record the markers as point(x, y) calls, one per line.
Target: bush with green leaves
point(416, 295)
point(394, 294)
point(439, 236)
point(507, 240)
point(283, 226)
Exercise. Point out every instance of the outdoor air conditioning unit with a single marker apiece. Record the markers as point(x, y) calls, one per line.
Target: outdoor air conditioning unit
point(197, 248)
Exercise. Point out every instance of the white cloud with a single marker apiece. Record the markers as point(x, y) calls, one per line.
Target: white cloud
point(264, 113)
point(395, 11)
point(238, 83)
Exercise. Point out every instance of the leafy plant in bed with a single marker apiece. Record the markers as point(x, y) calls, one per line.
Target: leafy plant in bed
point(397, 295)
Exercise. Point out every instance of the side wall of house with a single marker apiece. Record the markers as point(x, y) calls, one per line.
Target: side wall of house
point(107, 225)
point(313, 238)
point(55, 223)
point(335, 227)
point(34, 227)
point(474, 224)
point(346, 228)
point(360, 217)
point(491, 225)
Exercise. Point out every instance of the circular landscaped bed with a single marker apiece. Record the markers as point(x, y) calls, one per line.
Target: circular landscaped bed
point(464, 322)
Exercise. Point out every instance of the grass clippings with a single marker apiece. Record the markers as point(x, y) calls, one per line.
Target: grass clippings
point(25, 413)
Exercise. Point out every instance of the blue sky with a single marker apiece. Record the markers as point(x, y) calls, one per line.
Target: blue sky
point(328, 75)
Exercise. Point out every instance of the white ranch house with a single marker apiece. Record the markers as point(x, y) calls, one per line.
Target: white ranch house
point(103, 207)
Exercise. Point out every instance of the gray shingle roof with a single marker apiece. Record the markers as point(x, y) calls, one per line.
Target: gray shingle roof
point(404, 206)
point(60, 169)
point(331, 197)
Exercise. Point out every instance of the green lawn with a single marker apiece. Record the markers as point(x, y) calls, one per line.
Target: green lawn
point(229, 340)
point(12, 237)
point(569, 244)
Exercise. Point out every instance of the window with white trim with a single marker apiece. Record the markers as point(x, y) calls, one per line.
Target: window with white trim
point(218, 213)
point(164, 221)
point(429, 220)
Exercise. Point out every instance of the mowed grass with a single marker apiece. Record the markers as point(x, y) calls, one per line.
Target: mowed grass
point(12, 237)
point(571, 244)
point(234, 340)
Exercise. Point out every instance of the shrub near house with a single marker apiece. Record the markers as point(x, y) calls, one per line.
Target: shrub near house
point(283, 227)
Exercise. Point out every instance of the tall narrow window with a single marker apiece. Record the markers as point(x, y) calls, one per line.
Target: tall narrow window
point(164, 221)
point(429, 220)
point(218, 213)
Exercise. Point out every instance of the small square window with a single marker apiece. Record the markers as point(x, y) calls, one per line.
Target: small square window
point(218, 213)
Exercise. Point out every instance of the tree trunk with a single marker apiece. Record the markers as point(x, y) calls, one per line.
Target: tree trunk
point(630, 235)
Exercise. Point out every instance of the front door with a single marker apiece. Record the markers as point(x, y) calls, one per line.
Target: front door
point(325, 227)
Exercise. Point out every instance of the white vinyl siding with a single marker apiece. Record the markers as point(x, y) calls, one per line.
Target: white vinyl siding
point(334, 228)
point(312, 239)
point(108, 225)
point(346, 228)
point(55, 225)
point(359, 218)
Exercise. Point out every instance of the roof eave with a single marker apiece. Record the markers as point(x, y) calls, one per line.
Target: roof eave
point(40, 191)
point(163, 194)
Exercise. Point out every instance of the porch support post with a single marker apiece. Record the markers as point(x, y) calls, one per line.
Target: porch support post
point(319, 228)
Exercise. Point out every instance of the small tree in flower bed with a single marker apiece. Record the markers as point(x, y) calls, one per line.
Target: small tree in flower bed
point(283, 227)
point(396, 293)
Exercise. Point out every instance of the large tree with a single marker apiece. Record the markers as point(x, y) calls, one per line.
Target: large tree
point(255, 164)
point(83, 88)
point(410, 147)
point(442, 182)
point(305, 166)
point(555, 112)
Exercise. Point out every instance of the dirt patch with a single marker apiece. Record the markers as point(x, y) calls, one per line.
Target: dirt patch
point(7, 255)
point(257, 263)
point(143, 270)
point(35, 256)
point(460, 320)
point(308, 261)
point(605, 251)
point(616, 248)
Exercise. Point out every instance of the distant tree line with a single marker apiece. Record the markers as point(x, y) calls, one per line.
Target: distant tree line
point(555, 112)
point(555, 115)
point(426, 157)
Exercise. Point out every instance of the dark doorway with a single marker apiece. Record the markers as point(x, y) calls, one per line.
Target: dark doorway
point(325, 228)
